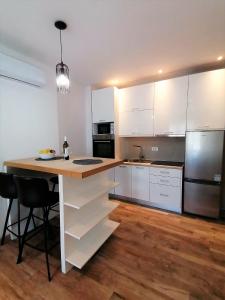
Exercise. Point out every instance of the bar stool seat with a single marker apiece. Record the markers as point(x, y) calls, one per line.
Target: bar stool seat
point(34, 193)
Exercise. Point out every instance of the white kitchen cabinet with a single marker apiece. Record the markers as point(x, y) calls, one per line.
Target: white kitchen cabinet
point(103, 105)
point(206, 101)
point(136, 123)
point(166, 188)
point(140, 183)
point(123, 177)
point(170, 106)
point(137, 97)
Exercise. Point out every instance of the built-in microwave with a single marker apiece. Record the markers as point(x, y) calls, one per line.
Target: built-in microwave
point(103, 128)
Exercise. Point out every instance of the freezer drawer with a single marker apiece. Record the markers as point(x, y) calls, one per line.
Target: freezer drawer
point(202, 199)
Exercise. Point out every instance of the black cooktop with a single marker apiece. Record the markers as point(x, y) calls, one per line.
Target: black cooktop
point(167, 163)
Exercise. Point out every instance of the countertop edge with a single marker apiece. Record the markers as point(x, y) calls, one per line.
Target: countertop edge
point(56, 171)
point(153, 165)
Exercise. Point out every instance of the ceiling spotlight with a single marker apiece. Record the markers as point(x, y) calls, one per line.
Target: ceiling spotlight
point(160, 71)
point(62, 70)
point(219, 57)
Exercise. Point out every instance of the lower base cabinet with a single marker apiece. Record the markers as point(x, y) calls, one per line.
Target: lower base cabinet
point(123, 177)
point(154, 186)
point(140, 183)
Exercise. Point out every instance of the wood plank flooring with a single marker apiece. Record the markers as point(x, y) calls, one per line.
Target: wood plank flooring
point(152, 255)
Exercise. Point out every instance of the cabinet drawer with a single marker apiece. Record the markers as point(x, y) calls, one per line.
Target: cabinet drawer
point(165, 180)
point(165, 197)
point(166, 172)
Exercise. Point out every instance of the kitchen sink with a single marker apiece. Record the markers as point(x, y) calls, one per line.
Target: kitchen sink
point(138, 161)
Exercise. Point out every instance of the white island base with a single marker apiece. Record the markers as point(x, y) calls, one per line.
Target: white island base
point(84, 222)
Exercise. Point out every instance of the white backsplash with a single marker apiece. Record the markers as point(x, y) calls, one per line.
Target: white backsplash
point(169, 148)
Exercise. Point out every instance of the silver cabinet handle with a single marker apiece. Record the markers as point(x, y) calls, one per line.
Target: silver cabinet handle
point(123, 166)
point(102, 141)
point(161, 180)
point(164, 195)
point(164, 172)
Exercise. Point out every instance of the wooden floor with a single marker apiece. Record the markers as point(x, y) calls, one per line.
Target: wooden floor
point(152, 255)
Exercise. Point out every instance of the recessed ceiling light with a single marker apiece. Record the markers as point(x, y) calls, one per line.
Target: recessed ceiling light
point(160, 71)
point(114, 82)
point(220, 57)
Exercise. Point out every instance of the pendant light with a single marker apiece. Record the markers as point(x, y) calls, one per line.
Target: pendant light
point(62, 70)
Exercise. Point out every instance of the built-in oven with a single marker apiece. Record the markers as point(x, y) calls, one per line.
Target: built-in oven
point(103, 146)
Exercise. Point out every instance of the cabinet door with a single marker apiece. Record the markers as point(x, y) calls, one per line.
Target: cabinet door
point(171, 106)
point(137, 97)
point(103, 105)
point(111, 177)
point(140, 183)
point(123, 176)
point(136, 123)
point(206, 100)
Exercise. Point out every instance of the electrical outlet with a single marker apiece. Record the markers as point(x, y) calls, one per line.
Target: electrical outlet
point(155, 149)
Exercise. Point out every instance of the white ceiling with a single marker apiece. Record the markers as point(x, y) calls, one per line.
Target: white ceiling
point(123, 40)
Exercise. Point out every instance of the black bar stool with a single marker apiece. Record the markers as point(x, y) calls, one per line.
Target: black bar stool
point(8, 191)
point(34, 193)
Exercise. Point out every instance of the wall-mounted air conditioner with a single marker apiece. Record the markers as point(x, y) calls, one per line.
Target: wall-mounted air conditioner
point(18, 70)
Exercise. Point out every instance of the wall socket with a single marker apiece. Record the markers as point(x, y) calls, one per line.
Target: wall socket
point(155, 149)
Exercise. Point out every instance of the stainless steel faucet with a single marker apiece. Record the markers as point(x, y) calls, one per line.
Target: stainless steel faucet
point(141, 153)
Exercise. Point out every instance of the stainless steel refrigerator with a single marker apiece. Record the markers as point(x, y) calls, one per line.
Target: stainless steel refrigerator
point(203, 174)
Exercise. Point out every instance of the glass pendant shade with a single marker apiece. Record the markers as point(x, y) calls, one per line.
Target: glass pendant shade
point(62, 78)
point(62, 70)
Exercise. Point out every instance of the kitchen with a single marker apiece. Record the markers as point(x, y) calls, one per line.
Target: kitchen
point(141, 186)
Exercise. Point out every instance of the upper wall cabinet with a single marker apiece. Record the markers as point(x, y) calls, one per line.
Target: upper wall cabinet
point(137, 97)
point(136, 123)
point(206, 101)
point(170, 106)
point(103, 105)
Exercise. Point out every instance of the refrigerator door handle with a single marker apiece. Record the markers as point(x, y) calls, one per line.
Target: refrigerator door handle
point(202, 181)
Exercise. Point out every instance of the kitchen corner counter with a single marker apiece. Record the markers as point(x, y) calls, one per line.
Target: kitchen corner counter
point(64, 167)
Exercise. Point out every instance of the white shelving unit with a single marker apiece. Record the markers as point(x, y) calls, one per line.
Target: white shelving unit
point(84, 223)
point(80, 222)
point(79, 252)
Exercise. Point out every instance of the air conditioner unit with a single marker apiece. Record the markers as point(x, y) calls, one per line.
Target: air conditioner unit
point(15, 69)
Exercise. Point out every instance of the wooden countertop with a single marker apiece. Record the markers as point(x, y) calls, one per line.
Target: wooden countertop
point(64, 167)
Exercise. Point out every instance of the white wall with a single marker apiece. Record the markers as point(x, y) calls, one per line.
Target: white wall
point(73, 119)
point(89, 146)
point(28, 119)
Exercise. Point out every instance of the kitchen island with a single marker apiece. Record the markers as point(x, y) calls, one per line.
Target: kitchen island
point(84, 205)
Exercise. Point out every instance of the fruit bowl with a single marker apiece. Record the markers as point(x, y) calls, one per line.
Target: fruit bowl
point(46, 153)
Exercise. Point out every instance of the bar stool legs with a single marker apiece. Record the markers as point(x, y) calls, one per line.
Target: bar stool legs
point(46, 229)
point(6, 221)
point(19, 259)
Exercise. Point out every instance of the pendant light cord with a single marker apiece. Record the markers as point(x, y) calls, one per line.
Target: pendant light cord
point(60, 35)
